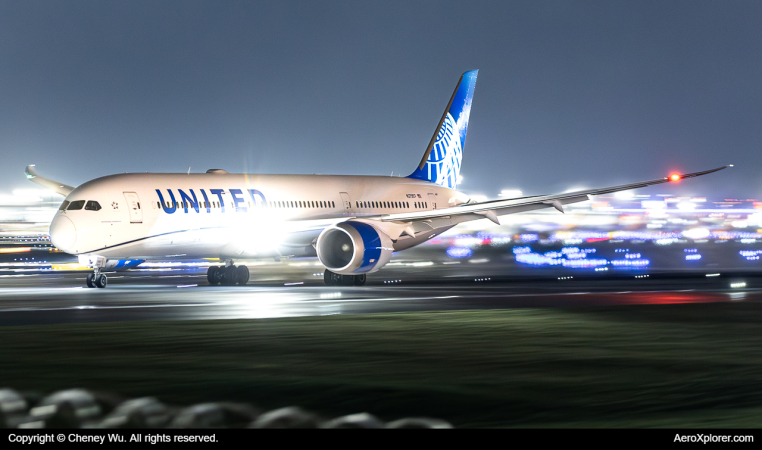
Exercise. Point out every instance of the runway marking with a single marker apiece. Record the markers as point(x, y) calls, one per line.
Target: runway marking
point(278, 297)
point(80, 307)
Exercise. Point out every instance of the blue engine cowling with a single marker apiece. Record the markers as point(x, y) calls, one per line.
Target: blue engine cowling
point(351, 248)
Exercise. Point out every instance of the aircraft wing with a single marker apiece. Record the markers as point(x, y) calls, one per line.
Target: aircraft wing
point(58, 188)
point(491, 209)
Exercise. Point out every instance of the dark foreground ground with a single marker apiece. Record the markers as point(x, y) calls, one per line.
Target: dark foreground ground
point(673, 365)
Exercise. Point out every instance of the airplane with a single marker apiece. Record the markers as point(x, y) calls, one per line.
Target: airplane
point(352, 224)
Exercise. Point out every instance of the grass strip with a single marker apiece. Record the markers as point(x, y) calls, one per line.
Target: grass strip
point(688, 365)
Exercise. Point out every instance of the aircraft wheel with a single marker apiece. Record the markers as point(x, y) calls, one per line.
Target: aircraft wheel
point(219, 274)
point(101, 281)
point(333, 279)
point(211, 275)
point(90, 280)
point(229, 278)
point(360, 280)
point(242, 275)
point(328, 277)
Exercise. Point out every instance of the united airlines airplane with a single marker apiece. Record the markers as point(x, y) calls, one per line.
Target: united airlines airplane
point(353, 224)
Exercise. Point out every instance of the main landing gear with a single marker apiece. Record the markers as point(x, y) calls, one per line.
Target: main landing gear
point(335, 279)
point(97, 279)
point(227, 275)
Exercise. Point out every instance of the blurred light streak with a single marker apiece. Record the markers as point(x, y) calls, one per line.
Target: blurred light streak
point(459, 252)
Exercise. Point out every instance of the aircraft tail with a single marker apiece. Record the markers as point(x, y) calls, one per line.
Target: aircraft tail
point(441, 161)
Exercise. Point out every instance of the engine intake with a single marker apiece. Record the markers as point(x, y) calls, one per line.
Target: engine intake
point(351, 248)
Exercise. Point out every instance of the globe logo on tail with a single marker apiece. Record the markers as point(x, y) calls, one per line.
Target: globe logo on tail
point(444, 160)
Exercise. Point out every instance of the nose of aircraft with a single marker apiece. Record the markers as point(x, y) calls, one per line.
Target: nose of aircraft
point(62, 232)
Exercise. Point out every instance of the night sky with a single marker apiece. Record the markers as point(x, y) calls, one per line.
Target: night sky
point(570, 94)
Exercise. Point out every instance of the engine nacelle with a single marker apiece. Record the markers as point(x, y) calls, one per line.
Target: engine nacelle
point(352, 248)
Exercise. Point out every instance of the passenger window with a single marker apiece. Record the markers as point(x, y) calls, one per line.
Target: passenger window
point(92, 205)
point(64, 205)
point(76, 205)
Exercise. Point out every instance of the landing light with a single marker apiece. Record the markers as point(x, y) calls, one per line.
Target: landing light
point(674, 177)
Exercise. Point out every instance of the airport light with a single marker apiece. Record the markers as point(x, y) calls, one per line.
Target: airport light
point(510, 193)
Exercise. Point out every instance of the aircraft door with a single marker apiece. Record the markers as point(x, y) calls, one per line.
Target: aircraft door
point(433, 201)
point(347, 201)
point(133, 204)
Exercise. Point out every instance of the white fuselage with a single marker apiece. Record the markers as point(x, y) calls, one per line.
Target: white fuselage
point(220, 215)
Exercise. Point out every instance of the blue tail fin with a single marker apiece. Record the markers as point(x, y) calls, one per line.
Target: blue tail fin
point(441, 162)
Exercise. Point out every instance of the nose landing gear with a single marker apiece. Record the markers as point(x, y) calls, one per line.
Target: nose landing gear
point(97, 279)
point(227, 275)
point(335, 279)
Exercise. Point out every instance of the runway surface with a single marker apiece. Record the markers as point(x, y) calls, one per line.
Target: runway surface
point(48, 298)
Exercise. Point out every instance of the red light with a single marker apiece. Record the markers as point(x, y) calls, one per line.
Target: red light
point(674, 177)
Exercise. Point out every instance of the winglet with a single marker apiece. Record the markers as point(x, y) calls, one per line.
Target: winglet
point(29, 171)
point(58, 188)
point(680, 176)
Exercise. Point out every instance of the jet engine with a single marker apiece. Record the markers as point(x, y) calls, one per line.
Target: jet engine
point(353, 248)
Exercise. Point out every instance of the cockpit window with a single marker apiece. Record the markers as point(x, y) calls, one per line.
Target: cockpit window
point(64, 205)
point(76, 205)
point(92, 205)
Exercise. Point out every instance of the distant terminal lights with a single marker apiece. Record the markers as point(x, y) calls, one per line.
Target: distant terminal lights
point(574, 258)
point(751, 255)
